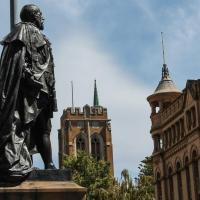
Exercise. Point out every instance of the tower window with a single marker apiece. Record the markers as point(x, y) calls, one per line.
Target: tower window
point(80, 143)
point(96, 151)
point(157, 109)
point(80, 124)
point(95, 124)
point(157, 143)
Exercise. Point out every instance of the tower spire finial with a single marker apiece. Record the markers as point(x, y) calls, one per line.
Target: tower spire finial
point(165, 71)
point(96, 98)
point(163, 48)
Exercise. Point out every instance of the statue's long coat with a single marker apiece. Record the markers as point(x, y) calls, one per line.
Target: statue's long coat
point(26, 74)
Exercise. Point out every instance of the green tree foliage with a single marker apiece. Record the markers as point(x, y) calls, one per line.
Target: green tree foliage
point(92, 174)
point(144, 182)
point(127, 189)
point(97, 178)
point(146, 167)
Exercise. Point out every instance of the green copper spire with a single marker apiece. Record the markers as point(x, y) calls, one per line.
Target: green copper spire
point(96, 98)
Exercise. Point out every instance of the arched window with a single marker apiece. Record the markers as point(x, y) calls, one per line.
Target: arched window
point(188, 180)
point(171, 184)
point(179, 181)
point(157, 143)
point(195, 174)
point(80, 143)
point(97, 147)
point(159, 187)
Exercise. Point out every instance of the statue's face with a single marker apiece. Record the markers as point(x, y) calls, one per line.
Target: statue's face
point(39, 20)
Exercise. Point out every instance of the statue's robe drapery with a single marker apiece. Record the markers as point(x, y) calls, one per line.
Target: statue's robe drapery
point(26, 74)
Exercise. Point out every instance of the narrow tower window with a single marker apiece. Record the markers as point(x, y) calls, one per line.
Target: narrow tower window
point(96, 148)
point(80, 143)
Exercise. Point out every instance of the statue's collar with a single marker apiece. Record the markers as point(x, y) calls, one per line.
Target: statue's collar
point(26, 32)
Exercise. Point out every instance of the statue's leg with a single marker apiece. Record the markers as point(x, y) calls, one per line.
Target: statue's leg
point(42, 130)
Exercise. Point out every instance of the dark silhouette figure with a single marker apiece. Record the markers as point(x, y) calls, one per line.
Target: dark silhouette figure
point(27, 96)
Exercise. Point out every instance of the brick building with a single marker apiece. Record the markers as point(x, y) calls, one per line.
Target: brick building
point(86, 129)
point(175, 130)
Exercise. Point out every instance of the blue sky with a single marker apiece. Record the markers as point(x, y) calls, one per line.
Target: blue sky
point(118, 43)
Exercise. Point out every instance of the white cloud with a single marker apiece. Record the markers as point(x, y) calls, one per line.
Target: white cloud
point(80, 58)
point(183, 30)
point(72, 8)
point(146, 8)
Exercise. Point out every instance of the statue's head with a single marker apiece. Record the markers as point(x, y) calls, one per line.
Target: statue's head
point(31, 13)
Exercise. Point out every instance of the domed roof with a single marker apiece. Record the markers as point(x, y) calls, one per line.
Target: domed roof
point(166, 84)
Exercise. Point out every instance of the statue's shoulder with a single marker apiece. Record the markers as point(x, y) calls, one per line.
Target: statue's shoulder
point(27, 33)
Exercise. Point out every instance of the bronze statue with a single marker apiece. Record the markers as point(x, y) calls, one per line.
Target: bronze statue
point(27, 101)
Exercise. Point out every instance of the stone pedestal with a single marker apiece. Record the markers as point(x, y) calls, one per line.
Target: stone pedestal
point(44, 185)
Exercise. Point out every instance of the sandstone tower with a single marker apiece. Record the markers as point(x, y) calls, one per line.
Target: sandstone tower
point(86, 129)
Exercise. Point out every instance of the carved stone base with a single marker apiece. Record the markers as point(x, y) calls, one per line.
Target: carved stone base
point(44, 189)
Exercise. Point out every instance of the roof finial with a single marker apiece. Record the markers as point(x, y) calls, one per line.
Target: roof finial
point(96, 98)
point(163, 48)
point(165, 71)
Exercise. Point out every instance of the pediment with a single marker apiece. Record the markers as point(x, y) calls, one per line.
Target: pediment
point(192, 91)
point(188, 98)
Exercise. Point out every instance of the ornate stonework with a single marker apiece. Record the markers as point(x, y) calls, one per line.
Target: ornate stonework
point(175, 131)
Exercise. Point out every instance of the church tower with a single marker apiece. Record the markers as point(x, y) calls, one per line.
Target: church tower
point(87, 129)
